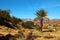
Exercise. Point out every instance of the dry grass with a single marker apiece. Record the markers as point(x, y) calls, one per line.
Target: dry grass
point(39, 35)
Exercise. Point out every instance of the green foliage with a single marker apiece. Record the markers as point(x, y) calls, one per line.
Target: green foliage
point(41, 13)
point(4, 15)
point(12, 38)
point(28, 24)
point(5, 18)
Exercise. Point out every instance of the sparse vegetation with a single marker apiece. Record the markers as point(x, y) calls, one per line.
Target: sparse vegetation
point(28, 24)
point(48, 31)
point(5, 18)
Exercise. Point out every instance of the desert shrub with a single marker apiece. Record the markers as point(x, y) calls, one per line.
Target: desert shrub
point(5, 18)
point(28, 24)
point(56, 28)
point(48, 30)
point(12, 38)
point(45, 27)
point(20, 35)
point(36, 27)
point(51, 30)
point(48, 36)
point(38, 34)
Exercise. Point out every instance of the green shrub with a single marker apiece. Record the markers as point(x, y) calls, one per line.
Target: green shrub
point(28, 24)
point(12, 38)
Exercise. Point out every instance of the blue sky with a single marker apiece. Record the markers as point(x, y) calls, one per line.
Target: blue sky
point(27, 8)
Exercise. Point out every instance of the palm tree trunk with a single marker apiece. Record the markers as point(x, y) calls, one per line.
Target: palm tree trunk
point(41, 23)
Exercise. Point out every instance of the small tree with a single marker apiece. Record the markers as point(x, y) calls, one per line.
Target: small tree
point(40, 14)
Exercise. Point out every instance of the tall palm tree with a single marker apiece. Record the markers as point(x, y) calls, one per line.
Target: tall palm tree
point(40, 15)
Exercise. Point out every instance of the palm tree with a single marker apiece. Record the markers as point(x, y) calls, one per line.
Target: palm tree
point(40, 15)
